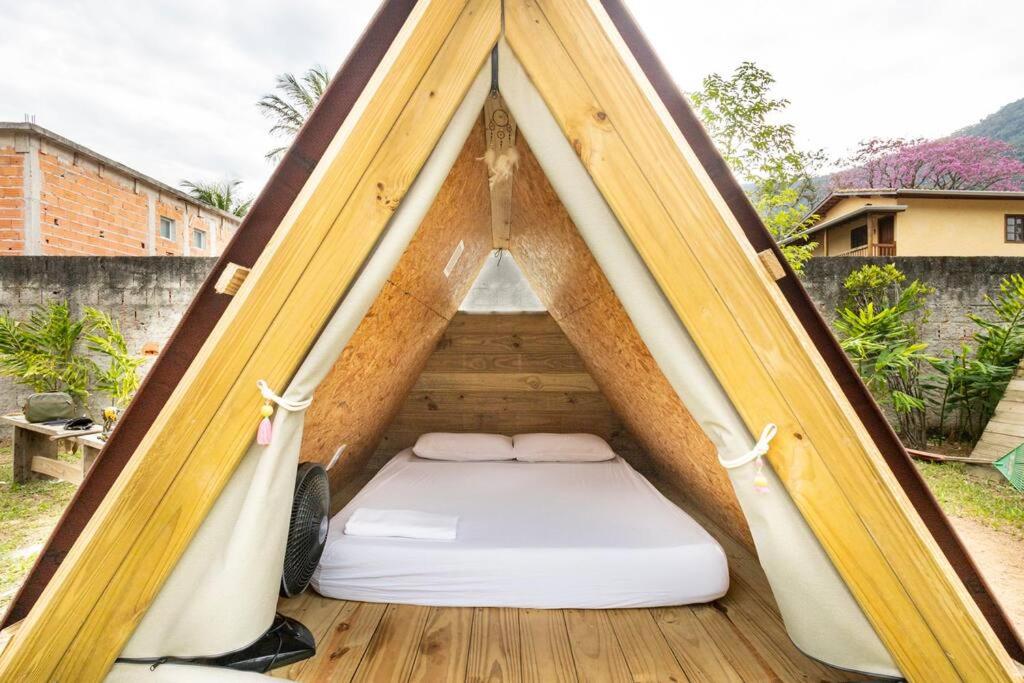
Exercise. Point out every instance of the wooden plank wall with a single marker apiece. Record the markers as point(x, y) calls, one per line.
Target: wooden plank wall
point(1005, 431)
point(376, 370)
point(556, 261)
point(505, 374)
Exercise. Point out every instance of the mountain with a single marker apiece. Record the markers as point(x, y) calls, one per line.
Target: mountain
point(1007, 125)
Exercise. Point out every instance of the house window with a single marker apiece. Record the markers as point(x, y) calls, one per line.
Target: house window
point(859, 237)
point(167, 228)
point(1015, 228)
point(198, 239)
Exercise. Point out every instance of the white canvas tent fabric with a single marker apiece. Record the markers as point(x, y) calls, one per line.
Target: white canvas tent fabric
point(223, 593)
point(236, 557)
point(820, 614)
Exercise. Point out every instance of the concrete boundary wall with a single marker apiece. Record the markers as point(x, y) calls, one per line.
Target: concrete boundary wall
point(148, 295)
point(960, 285)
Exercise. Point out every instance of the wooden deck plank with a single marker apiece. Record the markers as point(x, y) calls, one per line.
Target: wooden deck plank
point(340, 651)
point(546, 653)
point(392, 650)
point(595, 649)
point(764, 631)
point(647, 654)
point(496, 650)
point(444, 646)
point(316, 613)
point(703, 657)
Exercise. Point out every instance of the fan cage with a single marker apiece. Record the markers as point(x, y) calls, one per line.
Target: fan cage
point(307, 528)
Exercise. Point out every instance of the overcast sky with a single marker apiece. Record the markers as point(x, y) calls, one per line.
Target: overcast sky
point(169, 87)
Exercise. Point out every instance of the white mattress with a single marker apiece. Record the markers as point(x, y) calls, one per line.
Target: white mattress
point(545, 535)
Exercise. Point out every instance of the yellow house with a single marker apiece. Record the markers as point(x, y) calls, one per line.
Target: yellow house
point(914, 222)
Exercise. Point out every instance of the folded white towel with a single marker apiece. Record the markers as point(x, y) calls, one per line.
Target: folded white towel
point(401, 524)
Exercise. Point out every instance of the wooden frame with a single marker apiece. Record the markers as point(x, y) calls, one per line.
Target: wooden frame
point(696, 251)
point(113, 572)
point(35, 448)
point(1006, 220)
point(687, 236)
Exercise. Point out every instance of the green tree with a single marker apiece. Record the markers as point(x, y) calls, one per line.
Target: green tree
point(737, 112)
point(221, 195)
point(290, 106)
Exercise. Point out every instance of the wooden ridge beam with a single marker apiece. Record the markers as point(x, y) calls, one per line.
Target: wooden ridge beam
point(500, 130)
point(696, 251)
point(132, 543)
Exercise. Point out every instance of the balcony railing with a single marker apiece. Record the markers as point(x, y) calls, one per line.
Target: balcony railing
point(871, 250)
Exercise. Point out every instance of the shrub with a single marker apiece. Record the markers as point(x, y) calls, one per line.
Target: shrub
point(880, 330)
point(975, 380)
point(43, 353)
point(40, 352)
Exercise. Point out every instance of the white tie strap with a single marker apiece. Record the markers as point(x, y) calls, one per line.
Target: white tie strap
point(759, 450)
point(757, 454)
point(280, 401)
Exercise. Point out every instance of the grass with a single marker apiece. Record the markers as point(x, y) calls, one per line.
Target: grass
point(993, 503)
point(28, 513)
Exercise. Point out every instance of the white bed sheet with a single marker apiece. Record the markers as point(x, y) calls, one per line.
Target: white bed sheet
point(545, 535)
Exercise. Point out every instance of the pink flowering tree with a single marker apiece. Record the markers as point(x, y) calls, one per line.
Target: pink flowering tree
point(954, 163)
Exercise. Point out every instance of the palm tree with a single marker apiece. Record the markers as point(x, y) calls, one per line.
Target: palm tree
point(289, 107)
point(221, 195)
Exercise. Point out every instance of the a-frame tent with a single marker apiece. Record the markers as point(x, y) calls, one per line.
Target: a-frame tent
point(310, 238)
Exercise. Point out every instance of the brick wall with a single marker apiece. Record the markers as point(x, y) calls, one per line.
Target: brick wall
point(12, 187)
point(59, 198)
point(176, 212)
point(83, 212)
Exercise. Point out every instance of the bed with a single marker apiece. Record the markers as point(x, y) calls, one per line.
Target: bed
point(543, 535)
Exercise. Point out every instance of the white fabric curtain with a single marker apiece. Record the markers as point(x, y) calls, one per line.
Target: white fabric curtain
point(820, 614)
point(223, 593)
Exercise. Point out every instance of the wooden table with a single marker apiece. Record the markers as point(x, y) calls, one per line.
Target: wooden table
point(36, 449)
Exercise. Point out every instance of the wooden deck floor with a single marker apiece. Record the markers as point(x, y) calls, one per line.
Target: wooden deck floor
point(737, 638)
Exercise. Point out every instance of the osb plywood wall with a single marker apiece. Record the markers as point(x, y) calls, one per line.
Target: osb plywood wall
point(376, 370)
point(563, 272)
point(505, 374)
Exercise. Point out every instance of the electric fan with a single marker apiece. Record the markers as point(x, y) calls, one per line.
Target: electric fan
point(307, 531)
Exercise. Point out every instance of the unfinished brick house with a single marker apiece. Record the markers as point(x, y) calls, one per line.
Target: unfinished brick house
point(60, 198)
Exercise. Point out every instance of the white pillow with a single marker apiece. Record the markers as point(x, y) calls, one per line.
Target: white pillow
point(561, 448)
point(463, 447)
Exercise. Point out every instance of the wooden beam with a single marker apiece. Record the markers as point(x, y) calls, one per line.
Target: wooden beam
point(500, 131)
point(505, 381)
point(771, 264)
point(8, 634)
point(697, 253)
point(115, 569)
point(231, 279)
point(58, 469)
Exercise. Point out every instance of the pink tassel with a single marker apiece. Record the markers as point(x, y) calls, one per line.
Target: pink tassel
point(265, 433)
point(760, 479)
